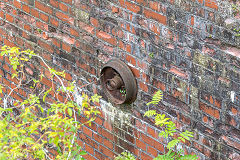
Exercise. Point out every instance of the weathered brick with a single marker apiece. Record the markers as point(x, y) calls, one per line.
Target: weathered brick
point(43, 7)
point(158, 17)
point(188, 49)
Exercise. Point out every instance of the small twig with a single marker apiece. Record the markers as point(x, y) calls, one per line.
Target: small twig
point(46, 154)
point(75, 118)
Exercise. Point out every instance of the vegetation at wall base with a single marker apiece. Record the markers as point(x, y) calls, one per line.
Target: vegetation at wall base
point(169, 131)
point(47, 119)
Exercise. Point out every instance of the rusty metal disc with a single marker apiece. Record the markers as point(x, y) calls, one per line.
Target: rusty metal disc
point(118, 82)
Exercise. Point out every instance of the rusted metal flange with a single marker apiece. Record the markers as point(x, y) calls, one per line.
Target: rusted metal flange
point(118, 82)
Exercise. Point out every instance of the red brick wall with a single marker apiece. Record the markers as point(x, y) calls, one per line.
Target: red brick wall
point(187, 48)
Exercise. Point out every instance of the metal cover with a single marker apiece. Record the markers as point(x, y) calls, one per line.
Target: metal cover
point(118, 82)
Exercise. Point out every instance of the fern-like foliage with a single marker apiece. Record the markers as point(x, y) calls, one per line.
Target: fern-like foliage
point(169, 131)
point(157, 97)
point(150, 113)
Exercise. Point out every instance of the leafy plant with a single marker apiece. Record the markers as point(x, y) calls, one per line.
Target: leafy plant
point(157, 97)
point(169, 132)
point(47, 119)
point(151, 55)
point(237, 30)
point(236, 9)
point(125, 156)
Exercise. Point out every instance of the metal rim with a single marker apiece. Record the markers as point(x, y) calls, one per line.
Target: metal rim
point(127, 77)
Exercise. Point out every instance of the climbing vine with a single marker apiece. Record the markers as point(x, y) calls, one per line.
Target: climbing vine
point(47, 119)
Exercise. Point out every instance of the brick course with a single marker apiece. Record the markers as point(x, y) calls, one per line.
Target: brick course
point(194, 61)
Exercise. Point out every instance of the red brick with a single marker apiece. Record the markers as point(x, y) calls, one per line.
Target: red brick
point(74, 32)
point(107, 143)
point(44, 17)
point(56, 42)
point(27, 27)
point(132, 7)
point(121, 2)
point(25, 35)
point(63, 7)
point(143, 86)
point(142, 2)
point(2, 15)
point(158, 17)
point(217, 103)
point(17, 97)
point(43, 7)
point(152, 151)
point(106, 37)
point(192, 20)
point(45, 46)
point(27, 1)
point(115, 9)
point(87, 131)
point(205, 119)
point(94, 22)
point(34, 12)
point(128, 48)
point(17, 4)
point(86, 27)
point(25, 8)
point(54, 3)
point(89, 149)
point(8, 43)
point(106, 134)
point(141, 145)
point(136, 72)
point(46, 82)
point(209, 110)
point(64, 17)
point(234, 111)
point(42, 25)
point(66, 47)
point(154, 5)
point(145, 156)
point(67, 1)
point(155, 28)
point(179, 72)
point(131, 59)
point(54, 22)
point(9, 18)
point(211, 4)
point(106, 151)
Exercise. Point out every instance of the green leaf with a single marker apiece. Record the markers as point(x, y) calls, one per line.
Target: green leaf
point(157, 97)
point(55, 141)
point(46, 93)
point(70, 112)
point(95, 98)
point(173, 143)
point(82, 153)
point(150, 113)
point(188, 157)
point(79, 157)
point(163, 157)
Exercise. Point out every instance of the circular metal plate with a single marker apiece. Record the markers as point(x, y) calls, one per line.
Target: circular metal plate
point(126, 92)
